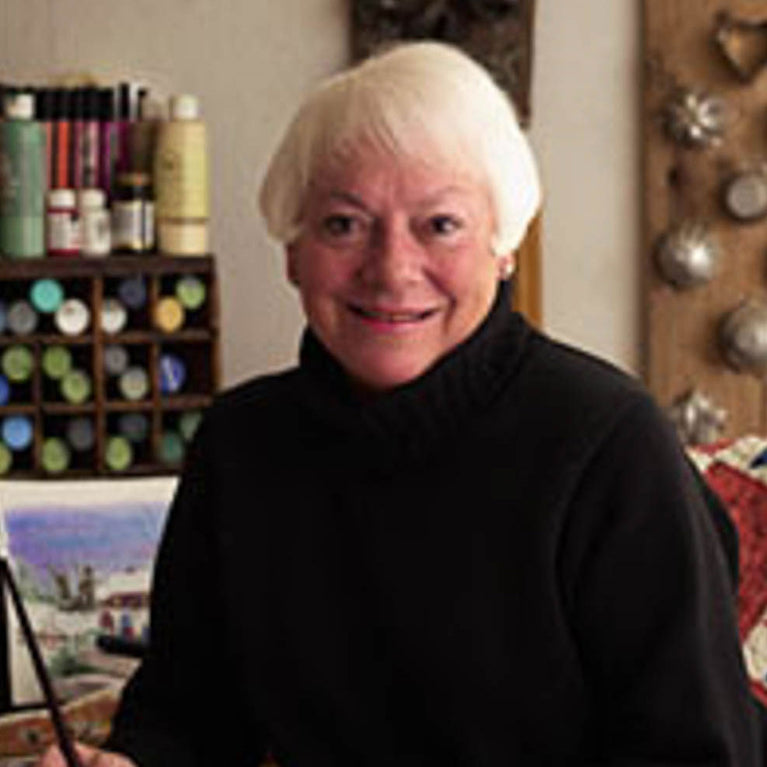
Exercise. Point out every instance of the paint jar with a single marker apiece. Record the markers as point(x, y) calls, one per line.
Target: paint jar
point(181, 178)
point(63, 234)
point(55, 455)
point(95, 223)
point(132, 214)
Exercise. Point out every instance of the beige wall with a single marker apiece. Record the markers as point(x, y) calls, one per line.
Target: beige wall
point(249, 61)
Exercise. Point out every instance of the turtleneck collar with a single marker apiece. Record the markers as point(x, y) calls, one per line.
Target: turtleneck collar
point(436, 404)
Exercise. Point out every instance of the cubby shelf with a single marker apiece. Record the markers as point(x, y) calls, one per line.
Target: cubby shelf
point(195, 342)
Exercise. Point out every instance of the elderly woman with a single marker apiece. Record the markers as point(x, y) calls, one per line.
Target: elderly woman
point(442, 538)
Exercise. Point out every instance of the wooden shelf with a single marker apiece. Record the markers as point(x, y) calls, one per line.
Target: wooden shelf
point(93, 281)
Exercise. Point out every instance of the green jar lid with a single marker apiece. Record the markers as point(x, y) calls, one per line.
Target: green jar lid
point(191, 291)
point(171, 448)
point(76, 386)
point(17, 363)
point(134, 383)
point(57, 361)
point(118, 453)
point(55, 455)
point(188, 422)
point(6, 459)
point(46, 295)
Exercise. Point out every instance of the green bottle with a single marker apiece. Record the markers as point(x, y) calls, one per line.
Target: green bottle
point(22, 180)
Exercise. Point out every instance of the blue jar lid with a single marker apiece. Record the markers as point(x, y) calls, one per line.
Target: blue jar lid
point(172, 373)
point(132, 291)
point(5, 390)
point(16, 431)
point(46, 295)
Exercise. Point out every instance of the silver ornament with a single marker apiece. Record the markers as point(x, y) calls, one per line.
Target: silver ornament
point(744, 337)
point(688, 255)
point(695, 118)
point(697, 418)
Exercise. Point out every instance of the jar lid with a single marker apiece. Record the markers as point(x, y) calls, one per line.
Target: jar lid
point(190, 290)
point(6, 459)
point(118, 453)
point(92, 198)
point(188, 423)
point(114, 316)
point(171, 448)
point(172, 373)
point(5, 390)
point(76, 386)
point(22, 318)
point(72, 317)
point(56, 361)
point(62, 198)
point(55, 455)
point(17, 432)
point(17, 363)
point(184, 107)
point(116, 359)
point(81, 434)
point(20, 106)
point(132, 291)
point(133, 426)
point(46, 294)
point(134, 383)
point(169, 314)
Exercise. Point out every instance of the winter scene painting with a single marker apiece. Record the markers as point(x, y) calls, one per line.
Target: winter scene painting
point(82, 554)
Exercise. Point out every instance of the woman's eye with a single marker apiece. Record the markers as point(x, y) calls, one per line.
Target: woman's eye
point(444, 224)
point(339, 225)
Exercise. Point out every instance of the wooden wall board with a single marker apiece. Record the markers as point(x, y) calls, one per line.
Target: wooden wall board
point(681, 338)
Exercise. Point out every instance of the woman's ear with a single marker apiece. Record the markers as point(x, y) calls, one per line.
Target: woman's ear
point(506, 265)
point(291, 265)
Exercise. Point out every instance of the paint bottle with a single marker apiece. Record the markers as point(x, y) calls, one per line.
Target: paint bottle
point(90, 138)
point(46, 294)
point(62, 218)
point(76, 386)
point(55, 455)
point(118, 453)
point(190, 291)
point(107, 141)
point(61, 138)
point(56, 361)
point(76, 136)
point(22, 187)
point(181, 180)
point(44, 115)
point(95, 223)
point(172, 371)
point(22, 318)
point(142, 135)
point(123, 121)
point(132, 214)
point(17, 432)
point(169, 314)
point(17, 363)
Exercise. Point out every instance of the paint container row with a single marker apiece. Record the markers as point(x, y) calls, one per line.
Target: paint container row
point(48, 305)
point(69, 443)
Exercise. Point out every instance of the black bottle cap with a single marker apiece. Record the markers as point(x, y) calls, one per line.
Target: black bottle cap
point(90, 103)
point(76, 105)
point(123, 102)
point(44, 104)
point(106, 98)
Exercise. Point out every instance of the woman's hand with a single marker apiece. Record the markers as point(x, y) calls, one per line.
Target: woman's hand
point(89, 757)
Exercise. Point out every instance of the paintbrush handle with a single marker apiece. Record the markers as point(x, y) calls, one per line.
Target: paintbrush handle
point(62, 735)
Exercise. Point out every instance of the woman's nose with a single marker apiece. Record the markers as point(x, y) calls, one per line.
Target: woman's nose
point(394, 256)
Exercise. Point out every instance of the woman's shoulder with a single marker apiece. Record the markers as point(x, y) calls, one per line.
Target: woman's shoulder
point(265, 391)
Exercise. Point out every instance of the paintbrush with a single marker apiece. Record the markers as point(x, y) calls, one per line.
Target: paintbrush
point(62, 735)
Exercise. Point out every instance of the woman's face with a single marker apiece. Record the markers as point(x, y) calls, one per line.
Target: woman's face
point(393, 264)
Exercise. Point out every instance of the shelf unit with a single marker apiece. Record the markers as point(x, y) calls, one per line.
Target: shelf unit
point(196, 342)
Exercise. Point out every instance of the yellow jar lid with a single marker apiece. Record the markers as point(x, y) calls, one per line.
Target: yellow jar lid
point(169, 314)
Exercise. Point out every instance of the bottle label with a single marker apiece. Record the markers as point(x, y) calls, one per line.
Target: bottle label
point(64, 233)
point(129, 224)
point(97, 233)
point(181, 171)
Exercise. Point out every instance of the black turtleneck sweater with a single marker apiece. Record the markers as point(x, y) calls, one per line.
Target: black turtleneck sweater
point(504, 562)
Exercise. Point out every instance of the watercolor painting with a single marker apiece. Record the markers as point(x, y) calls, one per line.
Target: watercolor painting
point(82, 554)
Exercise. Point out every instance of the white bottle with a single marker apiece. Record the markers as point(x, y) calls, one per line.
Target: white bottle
point(95, 223)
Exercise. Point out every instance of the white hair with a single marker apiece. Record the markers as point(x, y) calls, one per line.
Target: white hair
point(413, 95)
